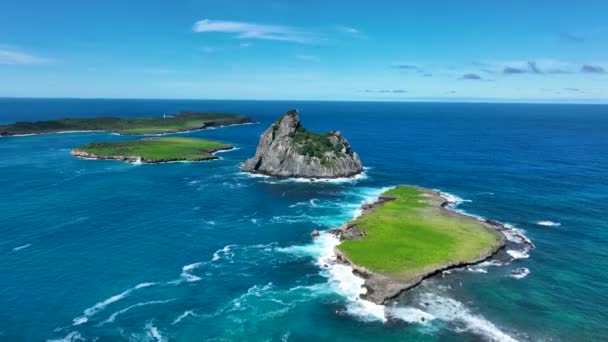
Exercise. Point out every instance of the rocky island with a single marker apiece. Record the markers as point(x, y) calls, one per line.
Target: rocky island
point(180, 122)
point(287, 149)
point(153, 150)
point(408, 235)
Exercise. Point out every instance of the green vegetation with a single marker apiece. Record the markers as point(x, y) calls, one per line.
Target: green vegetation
point(411, 236)
point(316, 145)
point(183, 121)
point(154, 149)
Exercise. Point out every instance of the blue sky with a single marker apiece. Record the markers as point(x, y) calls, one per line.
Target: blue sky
point(326, 50)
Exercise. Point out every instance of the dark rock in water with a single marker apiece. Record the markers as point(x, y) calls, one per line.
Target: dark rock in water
point(286, 149)
point(520, 272)
point(314, 233)
point(334, 231)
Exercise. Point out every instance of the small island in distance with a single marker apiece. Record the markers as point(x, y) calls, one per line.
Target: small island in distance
point(408, 235)
point(153, 150)
point(180, 122)
point(287, 149)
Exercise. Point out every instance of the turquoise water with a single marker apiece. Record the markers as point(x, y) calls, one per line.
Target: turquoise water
point(107, 251)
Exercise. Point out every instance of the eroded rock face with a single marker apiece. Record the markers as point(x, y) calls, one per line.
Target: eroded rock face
point(286, 149)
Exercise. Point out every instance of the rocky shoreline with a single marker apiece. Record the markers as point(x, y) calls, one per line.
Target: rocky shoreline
point(287, 150)
point(382, 288)
point(137, 159)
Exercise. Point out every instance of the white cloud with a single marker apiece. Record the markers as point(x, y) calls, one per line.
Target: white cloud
point(309, 58)
point(347, 29)
point(535, 65)
point(243, 30)
point(11, 56)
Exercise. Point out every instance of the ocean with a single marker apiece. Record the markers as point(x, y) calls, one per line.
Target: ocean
point(110, 251)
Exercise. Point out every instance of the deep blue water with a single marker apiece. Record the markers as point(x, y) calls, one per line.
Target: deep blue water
point(107, 251)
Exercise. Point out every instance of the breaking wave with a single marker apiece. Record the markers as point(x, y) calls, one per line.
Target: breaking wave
point(548, 223)
point(100, 306)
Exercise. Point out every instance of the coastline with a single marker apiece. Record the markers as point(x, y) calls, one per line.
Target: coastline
point(356, 177)
point(139, 160)
point(210, 127)
point(205, 128)
point(264, 174)
point(380, 289)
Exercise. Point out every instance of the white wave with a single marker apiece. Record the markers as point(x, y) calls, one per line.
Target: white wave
point(368, 196)
point(549, 223)
point(409, 315)
point(511, 233)
point(189, 277)
point(519, 273)
point(275, 180)
point(341, 278)
point(113, 316)
point(71, 337)
point(21, 247)
point(153, 332)
point(227, 150)
point(311, 203)
point(182, 316)
point(291, 218)
point(217, 255)
point(515, 254)
point(482, 267)
point(516, 235)
point(100, 306)
point(477, 269)
point(454, 312)
point(454, 201)
point(451, 198)
point(230, 185)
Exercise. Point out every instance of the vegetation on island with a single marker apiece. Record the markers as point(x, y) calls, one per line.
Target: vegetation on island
point(287, 149)
point(413, 235)
point(313, 144)
point(183, 121)
point(153, 150)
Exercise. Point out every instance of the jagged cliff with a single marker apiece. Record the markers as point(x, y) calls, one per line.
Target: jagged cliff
point(286, 149)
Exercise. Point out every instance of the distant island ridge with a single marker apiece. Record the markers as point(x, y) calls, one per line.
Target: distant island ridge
point(287, 149)
point(180, 122)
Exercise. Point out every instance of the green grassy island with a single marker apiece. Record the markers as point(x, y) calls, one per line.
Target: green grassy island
point(408, 235)
point(153, 150)
point(180, 122)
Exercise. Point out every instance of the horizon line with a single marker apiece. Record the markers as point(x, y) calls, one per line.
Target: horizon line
point(380, 100)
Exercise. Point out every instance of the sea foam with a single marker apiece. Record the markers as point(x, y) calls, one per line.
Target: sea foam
point(113, 316)
point(21, 247)
point(274, 180)
point(100, 306)
point(461, 318)
point(548, 223)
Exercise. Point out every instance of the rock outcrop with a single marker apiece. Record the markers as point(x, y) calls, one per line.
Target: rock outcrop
point(286, 149)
